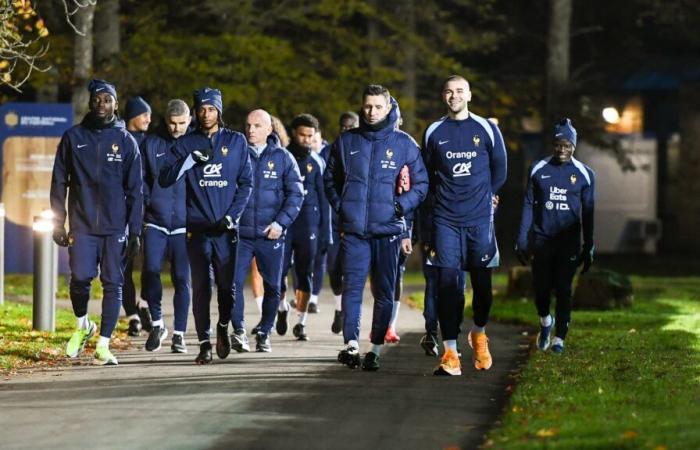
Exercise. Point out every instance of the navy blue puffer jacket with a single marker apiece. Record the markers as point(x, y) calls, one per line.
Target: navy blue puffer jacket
point(362, 174)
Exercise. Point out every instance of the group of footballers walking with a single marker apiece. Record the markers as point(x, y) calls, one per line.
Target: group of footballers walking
point(217, 203)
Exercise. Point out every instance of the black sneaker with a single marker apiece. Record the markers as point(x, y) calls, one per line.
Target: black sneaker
point(223, 342)
point(239, 341)
point(429, 343)
point(204, 356)
point(134, 328)
point(299, 332)
point(262, 343)
point(255, 329)
point(371, 362)
point(156, 338)
point(281, 325)
point(337, 325)
point(313, 308)
point(146, 320)
point(350, 356)
point(178, 344)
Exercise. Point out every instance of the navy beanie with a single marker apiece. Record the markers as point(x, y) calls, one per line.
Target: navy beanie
point(209, 96)
point(135, 106)
point(97, 86)
point(565, 130)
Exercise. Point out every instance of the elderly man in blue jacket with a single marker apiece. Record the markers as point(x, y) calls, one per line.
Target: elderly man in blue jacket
point(164, 230)
point(364, 169)
point(98, 166)
point(218, 177)
point(274, 204)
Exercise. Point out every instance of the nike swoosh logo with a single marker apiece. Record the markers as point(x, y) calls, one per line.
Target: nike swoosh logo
point(158, 155)
point(443, 142)
point(276, 246)
point(356, 151)
point(545, 176)
point(485, 258)
point(81, 145)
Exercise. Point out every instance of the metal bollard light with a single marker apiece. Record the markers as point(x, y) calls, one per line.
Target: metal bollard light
point(44, 310)
point(2, 253)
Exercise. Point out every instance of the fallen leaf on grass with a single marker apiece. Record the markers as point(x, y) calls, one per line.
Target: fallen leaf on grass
point(547, 432)
point(629, 434)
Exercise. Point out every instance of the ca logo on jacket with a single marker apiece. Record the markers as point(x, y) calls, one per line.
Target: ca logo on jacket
point(213, 170)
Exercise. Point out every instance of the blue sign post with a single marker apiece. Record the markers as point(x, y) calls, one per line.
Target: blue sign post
point(29, 136)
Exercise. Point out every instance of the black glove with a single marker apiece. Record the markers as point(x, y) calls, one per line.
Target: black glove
point(225, 224)
point(202, 156)
point(60, 237)
point(587, 259)
point(398, 209)
point(523, 255)
point(133, 245)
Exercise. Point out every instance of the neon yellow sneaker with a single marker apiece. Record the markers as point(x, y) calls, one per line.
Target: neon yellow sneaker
point(103, 357)
point(79, 339)
point(480, 350)
point(449, 364)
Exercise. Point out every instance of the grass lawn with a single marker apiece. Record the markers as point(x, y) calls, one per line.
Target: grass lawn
point(628, 379)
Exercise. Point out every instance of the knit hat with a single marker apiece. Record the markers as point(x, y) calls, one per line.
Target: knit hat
point(97, 86)
point(565, 130)
point(208, 96)
point(135, 106)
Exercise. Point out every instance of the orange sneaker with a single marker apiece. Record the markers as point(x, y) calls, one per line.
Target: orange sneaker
point(449, 364)
point(391, 337)
point(480, 350)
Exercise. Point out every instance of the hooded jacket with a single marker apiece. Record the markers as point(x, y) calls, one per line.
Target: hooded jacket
point(277, 190)
point(99, 169)
point(218, 188)
point(164, 206)
point(361, 178)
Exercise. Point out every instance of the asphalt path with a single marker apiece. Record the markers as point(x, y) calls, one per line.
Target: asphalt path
point(297, 397)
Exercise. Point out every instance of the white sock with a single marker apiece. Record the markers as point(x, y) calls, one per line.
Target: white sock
point(284, 305)
point(83, 322)
point(558, 340)
point(159, 323)
point(353, 343)
point(314, 299)
point(450, 344)
point(476, 329)
point(133, 316)
point(181, 333)
point(202, 342)
point(103, 342)
point(142, 304)
point(376, 349)
point(338, 302)
point(258, 301)
point(302, 317)
point(394, 314)
point(546, 321)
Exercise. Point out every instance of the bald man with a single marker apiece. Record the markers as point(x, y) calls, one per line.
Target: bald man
point(274, 204)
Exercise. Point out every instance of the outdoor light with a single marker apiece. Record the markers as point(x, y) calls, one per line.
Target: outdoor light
point(47, 214)
point(611, 115)
point(45, 266)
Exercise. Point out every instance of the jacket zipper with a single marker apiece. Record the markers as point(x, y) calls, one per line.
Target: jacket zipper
point(369, 182)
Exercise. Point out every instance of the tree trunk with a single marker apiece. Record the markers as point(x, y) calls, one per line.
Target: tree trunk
point(688, 217)
point(407, 13)
point(558, 56)
point(107, 45)
point(82, 61)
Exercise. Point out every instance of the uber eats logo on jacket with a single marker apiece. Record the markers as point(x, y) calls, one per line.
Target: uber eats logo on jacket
point(213, 171)
point(114, 155)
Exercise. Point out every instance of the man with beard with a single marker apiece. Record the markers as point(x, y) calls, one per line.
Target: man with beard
point(98, 166)
point(310, 232)
point(364, 169)
point(164, 231)
point(466, 161)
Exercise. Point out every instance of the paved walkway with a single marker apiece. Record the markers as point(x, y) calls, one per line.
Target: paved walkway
point(298, 396)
